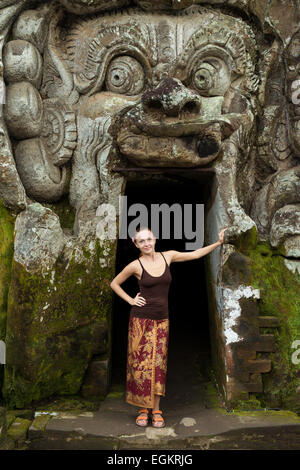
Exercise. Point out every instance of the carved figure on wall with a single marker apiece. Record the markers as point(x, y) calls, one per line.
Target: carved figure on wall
point(162, 84)
point(139, 87)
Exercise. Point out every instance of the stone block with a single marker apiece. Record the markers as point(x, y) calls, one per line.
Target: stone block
point(265, 343)
point(255, 383)
point(2, 423)
point(96, 379)
point(259, 365)
point(18, 431)
point(24, 414)
point(38, 426)
point(268, 321)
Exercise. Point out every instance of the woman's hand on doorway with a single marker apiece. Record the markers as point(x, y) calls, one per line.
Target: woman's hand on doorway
point(138, 300)
point(221, 236)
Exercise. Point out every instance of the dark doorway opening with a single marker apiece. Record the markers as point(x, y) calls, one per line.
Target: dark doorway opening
point(189, 340)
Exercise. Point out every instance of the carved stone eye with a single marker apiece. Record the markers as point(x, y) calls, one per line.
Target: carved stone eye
point(204, 77)
point(211, 77)
point(125, 75)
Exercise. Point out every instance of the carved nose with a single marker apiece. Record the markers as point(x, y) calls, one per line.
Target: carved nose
point(171, 97)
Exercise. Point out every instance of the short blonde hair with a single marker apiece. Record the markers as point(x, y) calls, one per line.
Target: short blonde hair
point(139, 230)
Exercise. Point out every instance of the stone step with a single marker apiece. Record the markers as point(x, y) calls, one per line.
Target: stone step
point(190, 426)
point(268, 321)
point(259, 365)
point(275, 437)
point(265, 343)
point(255, 383)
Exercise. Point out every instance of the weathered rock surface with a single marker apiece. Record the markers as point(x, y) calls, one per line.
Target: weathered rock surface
point(147, 84)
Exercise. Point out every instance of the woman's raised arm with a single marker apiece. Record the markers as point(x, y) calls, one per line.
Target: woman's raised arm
point(177, 256)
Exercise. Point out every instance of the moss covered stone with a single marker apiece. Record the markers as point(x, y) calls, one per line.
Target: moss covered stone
point(24, 414)
point(10, 418)
point(2, 424)
point(280, 297)
point(247, 241)
point(68, 403)
point(117, 391)
point(18, 429)
point(64, 211)
point(39, 424)
point(6, 254)
point(262, 267)
point(251, 404)
point(55, 324)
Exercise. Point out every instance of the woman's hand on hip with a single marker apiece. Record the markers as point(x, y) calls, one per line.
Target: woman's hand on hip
point(138, 300)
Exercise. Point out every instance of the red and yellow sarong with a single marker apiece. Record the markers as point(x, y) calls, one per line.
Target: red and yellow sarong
point(147, 356)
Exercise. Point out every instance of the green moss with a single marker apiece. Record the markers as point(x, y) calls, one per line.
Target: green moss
point(117, 391)
point(6, 255)
point(279, 292)
point(40, 422)
point(18, 429)
point(64, 210)
point(25, 414)
point(10, 418)
point(281, 416)
point(212, 396)
point(251, 404)
point(280, 297)
point(247, 241)
point(52, 327)
point(68, 403)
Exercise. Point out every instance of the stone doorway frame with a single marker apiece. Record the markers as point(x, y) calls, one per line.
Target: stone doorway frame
point(236, 366)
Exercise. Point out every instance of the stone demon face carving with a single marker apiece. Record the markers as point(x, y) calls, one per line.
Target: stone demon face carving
point(170, 93)
point(87, 94)
point(145, 87)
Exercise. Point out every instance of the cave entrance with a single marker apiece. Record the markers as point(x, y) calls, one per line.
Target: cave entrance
point(189, 353)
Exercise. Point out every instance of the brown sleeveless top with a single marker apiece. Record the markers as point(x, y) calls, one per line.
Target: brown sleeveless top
point(155, 290)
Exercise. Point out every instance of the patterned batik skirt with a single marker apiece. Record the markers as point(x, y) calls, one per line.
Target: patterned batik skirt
point(147, 355)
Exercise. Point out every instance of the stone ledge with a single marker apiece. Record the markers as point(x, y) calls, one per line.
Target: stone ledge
point(260, 438)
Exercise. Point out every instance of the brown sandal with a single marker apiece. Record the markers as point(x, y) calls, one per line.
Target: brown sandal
point(142, 418)
point(157, 419)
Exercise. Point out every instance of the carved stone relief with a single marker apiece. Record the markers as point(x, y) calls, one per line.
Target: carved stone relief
point(148, 84)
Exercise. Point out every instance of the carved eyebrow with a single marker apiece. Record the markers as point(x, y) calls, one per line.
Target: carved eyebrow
point(211, 61)
point(107, 40)
point(230, 45)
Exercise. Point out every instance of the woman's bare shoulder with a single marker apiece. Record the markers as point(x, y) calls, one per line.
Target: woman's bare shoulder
point(168, 255)
point(134, 267)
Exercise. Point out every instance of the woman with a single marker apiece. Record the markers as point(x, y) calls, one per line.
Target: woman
point(148, 331)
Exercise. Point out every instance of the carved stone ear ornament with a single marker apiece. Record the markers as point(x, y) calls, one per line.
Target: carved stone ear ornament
point(41, 160)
